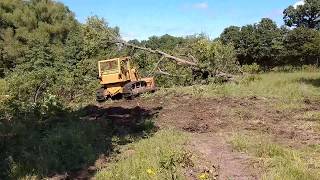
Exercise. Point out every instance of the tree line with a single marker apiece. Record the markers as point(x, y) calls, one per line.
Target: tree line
point(295, 43)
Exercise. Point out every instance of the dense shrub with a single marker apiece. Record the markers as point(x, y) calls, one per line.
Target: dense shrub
point(287, 68)
point(310, 68)
point(251, 69)
point(47, 138)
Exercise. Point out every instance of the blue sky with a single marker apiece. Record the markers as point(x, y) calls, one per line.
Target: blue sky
point(140, 19)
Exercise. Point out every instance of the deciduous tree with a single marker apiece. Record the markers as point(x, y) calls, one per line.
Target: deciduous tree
point(306, 15)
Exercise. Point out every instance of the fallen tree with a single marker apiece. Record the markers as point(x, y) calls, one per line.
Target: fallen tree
point(194, 63)
point(163, 54)
point(191, 62)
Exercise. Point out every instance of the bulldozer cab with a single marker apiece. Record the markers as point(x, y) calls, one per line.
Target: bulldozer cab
point(111, 66)
point(116, 70)
point(117, 77)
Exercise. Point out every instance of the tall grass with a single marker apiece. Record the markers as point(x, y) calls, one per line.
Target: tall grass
point(3, 92)
point(157, 157)
point(3, 87)
point(278, 161)
point(291, 86)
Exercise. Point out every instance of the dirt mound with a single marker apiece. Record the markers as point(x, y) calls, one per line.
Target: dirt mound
point(196, 127)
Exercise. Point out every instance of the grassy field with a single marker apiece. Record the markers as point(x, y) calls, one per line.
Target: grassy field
point(163, 156)
point(282, 91)
point(290, 89)
point(158, 157)
point(287, 86)
point(278, 161)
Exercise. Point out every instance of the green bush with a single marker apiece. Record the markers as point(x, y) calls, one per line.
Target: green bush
point(251, 69)
point(67, 147)
point(310, 68)
point(214, 56)
point(47, 138)
point(287, 68)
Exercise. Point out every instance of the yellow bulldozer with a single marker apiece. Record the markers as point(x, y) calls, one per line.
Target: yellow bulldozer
point(119, 79)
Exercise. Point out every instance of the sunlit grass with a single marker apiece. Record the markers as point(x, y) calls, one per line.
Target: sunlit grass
point(289, 89)
point(3, 87)
point(309, 116)
point(293, 86)
point(157, 157)
point(279, 162)
point(3, 90)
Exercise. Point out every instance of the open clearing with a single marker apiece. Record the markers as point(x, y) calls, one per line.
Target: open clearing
point(264, 134)
point(211, 121)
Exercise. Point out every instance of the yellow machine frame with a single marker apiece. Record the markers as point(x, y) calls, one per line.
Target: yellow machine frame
point(115, 80)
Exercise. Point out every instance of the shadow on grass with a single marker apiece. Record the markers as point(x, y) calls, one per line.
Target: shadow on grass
point(68, 142)
point(313, 82)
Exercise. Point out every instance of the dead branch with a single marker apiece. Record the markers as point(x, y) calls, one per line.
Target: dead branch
point(156, 65)
point(39, 89)
point(163, 72)
point(228, 77)
point(193, 58)
point(166, 55)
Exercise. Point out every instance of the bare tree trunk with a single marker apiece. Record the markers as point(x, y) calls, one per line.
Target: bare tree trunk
point(178, 60)
point(39, 90)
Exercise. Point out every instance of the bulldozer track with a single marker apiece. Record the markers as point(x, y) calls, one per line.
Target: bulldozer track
point(134, 88)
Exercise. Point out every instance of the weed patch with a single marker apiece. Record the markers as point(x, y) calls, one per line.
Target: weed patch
point(278, 161)
point(158, 157)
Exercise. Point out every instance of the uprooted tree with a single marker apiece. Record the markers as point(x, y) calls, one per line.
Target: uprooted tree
point(204, 57)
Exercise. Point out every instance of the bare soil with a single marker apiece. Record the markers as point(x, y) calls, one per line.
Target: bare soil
point(223, 115)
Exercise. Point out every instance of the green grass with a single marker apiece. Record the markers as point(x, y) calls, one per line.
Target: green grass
point(295, 86)
point(3, 91)
point(3, 87)
point(309, 116)
point(157, 157)
point(279, 162)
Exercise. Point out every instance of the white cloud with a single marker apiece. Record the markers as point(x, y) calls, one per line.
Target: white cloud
point(202, 5)
point(128, 36)
point(299, 3)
